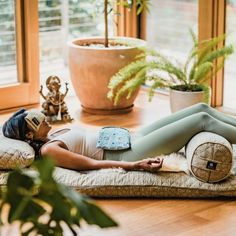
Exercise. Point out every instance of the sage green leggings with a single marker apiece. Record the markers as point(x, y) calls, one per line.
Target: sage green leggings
point(172, 133)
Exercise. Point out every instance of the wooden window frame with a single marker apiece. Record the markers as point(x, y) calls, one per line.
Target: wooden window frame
point(25, 91)
point(212, 20)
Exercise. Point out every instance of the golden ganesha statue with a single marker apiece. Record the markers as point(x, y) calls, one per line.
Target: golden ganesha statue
point(54, 106)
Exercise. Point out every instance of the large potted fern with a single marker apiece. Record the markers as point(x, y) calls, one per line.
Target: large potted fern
point(93, 61)
point(188, 83)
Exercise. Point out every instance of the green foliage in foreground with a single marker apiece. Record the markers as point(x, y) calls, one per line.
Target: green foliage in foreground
point(197, 71)
point(32, 194)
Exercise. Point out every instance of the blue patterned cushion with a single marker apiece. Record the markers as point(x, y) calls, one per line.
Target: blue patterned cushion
point(113, 138)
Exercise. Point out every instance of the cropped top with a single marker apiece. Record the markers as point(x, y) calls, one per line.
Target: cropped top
point(79, 140)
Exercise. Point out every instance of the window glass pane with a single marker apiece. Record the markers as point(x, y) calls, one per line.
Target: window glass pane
point(60, 21)
point(8, 73)
point(230, 69)
point(168, 25)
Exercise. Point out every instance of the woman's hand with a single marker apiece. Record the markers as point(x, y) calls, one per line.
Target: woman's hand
point(149, 164)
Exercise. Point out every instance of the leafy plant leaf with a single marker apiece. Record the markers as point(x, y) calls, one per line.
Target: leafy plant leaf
point(83, 204)
point(194, 38)
point(130, 85)
point(206, 46)
point(35, 195)
point(207, 93)
point(45, 167)
point(158, 83)
point(222, 52)
point(202, 71)
point(125, 73)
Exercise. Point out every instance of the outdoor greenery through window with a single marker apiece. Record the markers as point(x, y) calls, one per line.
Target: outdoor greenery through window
point(230, 69)
point(61, 21)
point(8, 71)
point(168, 25)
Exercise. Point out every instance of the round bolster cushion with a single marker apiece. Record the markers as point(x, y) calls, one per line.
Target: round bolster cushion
point(209, 157)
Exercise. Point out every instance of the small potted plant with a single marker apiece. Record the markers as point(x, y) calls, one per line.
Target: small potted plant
point(188, 83)
point(92, 62)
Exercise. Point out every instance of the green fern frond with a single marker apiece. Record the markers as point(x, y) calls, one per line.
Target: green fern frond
point(222, 52)
point(191, 56)
point(193, 52)
point(203, 43)
point(192, 72)
point(130, 85)
point(200, 52)
point(207, 93)
point(194, 37)
point(125, 73)
point(207, 78)
point(158, 83)
point(202, 71)
point(110, 94)
point(143, 5)
point(171, 69)
point(141, 56)
point(134, 83)
point(205, 47)
point(163, 81)
point(166, 65)
point(152, 89)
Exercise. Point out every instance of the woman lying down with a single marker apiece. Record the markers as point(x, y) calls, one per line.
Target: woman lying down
point(78, 149)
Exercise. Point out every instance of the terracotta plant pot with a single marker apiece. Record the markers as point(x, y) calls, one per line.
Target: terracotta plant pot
point(91, 69)
point(182, 99)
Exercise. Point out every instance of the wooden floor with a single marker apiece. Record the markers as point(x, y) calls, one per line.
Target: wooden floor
point(146, 217)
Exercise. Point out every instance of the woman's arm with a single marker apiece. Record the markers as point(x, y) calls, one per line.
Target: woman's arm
point(67, 159)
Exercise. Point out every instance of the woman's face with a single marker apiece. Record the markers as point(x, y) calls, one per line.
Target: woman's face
point(42, 133)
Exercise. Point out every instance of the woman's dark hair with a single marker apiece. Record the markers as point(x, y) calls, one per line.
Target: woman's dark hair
point(16, 128)
point(36, 145)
